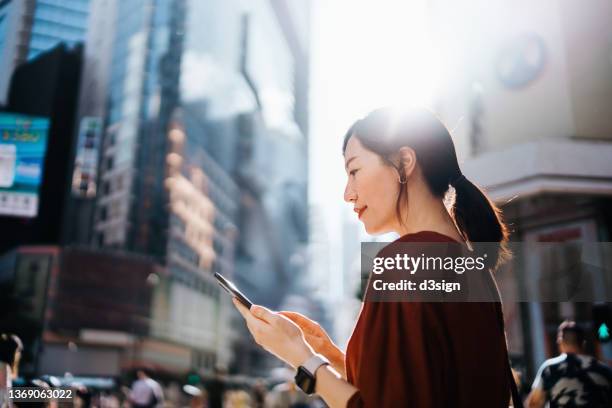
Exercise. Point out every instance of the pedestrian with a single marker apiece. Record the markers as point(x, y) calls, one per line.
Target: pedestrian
point(572, 379)
point(287, 394)
point(10, 354)
point(196, 395)
point(403, 176)
point(215, 388)
point(258, 393)
point(145, 392)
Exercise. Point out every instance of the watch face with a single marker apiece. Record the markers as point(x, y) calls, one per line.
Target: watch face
point(305, 380)
point(521, 60)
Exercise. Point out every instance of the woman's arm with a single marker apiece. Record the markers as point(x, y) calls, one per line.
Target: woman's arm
point(336, 359)
point(335, 390)
point(319, 340)
point(283, 338)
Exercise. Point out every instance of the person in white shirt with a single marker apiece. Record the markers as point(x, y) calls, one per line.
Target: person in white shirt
point(146, 392)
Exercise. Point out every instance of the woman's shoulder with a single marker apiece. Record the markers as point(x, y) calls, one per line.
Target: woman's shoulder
point(425, 236)
point(417, 242)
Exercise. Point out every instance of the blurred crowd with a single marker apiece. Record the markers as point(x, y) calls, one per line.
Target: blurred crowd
point(218, 391)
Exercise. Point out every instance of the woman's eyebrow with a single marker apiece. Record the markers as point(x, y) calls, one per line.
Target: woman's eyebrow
point(348, 161)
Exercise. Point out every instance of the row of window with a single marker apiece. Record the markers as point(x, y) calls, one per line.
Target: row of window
point(111, 237)
point(202, 359)
point(193, 281)
point(76, 5)
point(61, 11)
point(61, 31)
point(182, 250)
point(109, 211)
point(112, 185)
point(78, 22)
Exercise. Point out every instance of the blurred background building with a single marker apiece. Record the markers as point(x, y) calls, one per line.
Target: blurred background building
point(185, 156)
point(532, 85)
point(29, 27)
point(47, 88)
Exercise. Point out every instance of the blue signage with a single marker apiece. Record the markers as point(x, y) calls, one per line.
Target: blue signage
point(23, 143)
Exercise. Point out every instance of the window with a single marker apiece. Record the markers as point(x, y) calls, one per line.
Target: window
point(119, 183)
point(103, 213)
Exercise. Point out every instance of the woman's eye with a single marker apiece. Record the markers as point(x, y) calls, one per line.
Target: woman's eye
point(352, 173)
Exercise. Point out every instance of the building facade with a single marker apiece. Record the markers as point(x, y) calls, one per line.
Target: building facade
point(56, 21)
point(29, 27)
point(203, 165)
point(47, 87)
point(15, 26)
point(527, 99)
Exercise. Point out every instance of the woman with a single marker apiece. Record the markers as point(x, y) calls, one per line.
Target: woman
point(400, 167)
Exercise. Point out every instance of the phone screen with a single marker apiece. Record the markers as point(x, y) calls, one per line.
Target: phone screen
point(233, 290)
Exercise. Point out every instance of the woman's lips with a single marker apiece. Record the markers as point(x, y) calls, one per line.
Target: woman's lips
point(361, 210)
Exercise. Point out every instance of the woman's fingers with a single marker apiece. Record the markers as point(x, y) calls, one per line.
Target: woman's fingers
point(255, 324)
point(300, 320)
point(291, 315)
point(264, 314)
point(257, 314)
point(295, 316)
point(241, 308)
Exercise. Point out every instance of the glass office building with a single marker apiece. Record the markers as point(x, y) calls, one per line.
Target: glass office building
point(29, 27)
point(56, 21)
point(203, 165)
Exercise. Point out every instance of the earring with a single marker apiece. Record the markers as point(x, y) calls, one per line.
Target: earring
point(400, 171)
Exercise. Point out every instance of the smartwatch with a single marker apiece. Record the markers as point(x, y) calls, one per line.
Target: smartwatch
point(305, 377)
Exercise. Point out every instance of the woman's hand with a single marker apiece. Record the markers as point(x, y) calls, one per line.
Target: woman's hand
point(318, 339)
point(276, 333)
point(284, 338)
point(313, 332)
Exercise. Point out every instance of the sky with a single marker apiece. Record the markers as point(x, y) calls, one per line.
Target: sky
point(365, 54)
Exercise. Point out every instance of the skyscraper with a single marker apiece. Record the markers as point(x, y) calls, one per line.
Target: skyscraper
point(56, 21)
point(203, 164)
point(29, 27)
point(15, 24)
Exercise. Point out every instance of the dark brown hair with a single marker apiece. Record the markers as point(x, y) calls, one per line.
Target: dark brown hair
point(570, 333)
point(384, 131)
point(10, 345)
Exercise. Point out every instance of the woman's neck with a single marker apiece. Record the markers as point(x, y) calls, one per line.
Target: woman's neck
point(428, 213)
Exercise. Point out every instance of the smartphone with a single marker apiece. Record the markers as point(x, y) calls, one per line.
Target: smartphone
point(233, 290)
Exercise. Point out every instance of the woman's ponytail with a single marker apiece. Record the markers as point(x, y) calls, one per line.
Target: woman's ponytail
point(479, 219)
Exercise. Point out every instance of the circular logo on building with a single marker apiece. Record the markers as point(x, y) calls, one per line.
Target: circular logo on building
point(521, 60)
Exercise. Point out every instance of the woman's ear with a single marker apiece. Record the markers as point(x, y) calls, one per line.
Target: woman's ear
point(408, 160)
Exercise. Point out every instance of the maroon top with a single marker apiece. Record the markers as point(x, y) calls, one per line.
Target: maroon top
point(430, 355)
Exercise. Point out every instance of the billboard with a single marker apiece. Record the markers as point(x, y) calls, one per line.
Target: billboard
point(86, 160)
point(23, 142)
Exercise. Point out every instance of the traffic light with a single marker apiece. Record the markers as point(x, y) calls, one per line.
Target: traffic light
point(602, 323)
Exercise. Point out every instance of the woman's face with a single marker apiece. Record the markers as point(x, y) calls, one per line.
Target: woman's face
point(372, 187)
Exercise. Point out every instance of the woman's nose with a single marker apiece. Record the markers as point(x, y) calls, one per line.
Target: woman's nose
point(349, 193)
